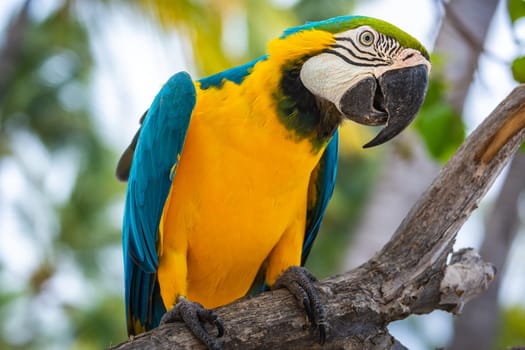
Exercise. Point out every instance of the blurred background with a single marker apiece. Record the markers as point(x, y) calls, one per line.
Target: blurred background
point(76, 75)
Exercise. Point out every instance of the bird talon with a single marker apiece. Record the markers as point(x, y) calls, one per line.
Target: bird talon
point(207, 315)
point(220, 327)
point(308, 309)
point(323, 327)
point(194, 316)
point(299, 282)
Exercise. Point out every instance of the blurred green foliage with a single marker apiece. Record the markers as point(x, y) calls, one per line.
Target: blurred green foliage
point(440, 126)
point(516, 12)
point(515, 9)
point(512, 328)
point(43, 97)
point(518, 69)
point(53, 61)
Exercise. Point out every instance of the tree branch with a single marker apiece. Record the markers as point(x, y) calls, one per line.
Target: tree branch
point(474, 330)
point(409, 275)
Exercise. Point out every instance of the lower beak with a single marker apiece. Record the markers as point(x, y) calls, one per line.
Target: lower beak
point(392, 100)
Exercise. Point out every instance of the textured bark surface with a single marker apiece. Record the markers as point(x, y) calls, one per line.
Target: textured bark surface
point(474, 329)
point(410, 275)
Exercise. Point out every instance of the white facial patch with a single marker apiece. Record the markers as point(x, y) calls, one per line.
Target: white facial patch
point(330, 74)
point(329, 77)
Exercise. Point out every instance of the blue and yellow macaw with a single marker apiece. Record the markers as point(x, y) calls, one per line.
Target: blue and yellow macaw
point(229, 176)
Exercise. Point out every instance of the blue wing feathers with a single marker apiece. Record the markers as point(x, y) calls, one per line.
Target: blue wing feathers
point(159, 145)
point(235, 75)
point(324, 187)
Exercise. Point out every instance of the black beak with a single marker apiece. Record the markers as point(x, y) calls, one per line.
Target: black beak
point(392, 100)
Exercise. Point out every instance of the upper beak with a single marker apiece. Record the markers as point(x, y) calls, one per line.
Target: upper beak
point(393, 100)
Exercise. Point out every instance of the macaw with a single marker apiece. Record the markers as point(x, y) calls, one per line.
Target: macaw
point(229, 176)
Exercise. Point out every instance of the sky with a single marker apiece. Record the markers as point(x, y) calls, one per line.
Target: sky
point(133, 61)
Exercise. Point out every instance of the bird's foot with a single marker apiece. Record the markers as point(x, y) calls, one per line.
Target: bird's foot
point(300, 282)
point(194, 315)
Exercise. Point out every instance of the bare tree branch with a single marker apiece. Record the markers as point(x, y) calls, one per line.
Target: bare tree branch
point(409, 275)
point(475, 330)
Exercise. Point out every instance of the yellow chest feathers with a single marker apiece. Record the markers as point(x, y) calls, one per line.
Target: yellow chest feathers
point(240, 188)
point(241, 184)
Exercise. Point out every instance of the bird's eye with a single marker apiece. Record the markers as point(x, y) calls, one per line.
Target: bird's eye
point(366, 38)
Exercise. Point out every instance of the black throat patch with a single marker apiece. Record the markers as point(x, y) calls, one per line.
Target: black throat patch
point(308, 116)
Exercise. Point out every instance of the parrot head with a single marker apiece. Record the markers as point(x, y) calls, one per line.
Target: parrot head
point(372, 72)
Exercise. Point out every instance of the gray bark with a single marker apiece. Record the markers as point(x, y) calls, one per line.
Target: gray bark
point(477, 327)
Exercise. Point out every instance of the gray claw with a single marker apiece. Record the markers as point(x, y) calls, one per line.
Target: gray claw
point(300, 282)
point(194, 315)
